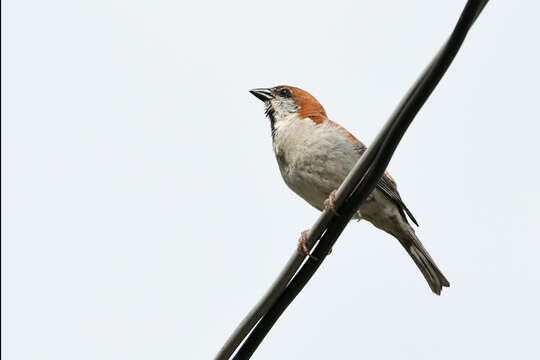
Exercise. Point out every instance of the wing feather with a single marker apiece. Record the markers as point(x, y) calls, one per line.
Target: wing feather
point(389, 187)
point(386, 183)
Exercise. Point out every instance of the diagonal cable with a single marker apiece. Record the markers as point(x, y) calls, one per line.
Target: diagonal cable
point(354, 190)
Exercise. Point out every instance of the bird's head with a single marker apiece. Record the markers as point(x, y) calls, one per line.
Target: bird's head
point(287, 103)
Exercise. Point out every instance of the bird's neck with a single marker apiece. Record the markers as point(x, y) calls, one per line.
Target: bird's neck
point(290, 133)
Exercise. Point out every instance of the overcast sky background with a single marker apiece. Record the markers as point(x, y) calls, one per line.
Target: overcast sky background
point(143, 210)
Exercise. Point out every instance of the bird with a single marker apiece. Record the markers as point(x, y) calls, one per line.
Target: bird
point(315, 154)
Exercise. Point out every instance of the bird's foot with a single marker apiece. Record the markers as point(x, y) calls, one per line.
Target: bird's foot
point(358, 215)
point(303, 245)
point(329, 203)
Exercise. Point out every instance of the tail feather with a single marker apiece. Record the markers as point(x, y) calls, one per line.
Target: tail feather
point(425, 263)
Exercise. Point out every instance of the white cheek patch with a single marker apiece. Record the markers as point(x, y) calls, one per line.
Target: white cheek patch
point(284, 107)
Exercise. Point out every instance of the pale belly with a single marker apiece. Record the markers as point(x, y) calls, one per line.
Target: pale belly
point(314, 177)
point(315, 159)
point(314, 180)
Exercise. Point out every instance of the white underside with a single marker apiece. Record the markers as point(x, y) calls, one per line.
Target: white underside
point(314, 159)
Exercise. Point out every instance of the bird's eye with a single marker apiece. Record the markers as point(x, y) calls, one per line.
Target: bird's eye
point(285, 92)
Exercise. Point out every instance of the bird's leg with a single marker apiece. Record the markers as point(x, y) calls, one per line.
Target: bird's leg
point(358, 215)
point(329, 203)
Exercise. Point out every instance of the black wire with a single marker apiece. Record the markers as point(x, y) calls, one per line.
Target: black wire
point(376, 160)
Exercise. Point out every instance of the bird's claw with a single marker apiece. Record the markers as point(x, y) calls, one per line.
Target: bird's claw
point(329, 203)
point(303, 247)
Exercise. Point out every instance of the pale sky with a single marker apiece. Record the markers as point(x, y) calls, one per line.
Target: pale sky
point(144, 214)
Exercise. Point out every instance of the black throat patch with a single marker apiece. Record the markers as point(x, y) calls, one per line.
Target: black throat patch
point(270, 113)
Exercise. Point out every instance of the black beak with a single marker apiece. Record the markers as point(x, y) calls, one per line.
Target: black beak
point(262, 94)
